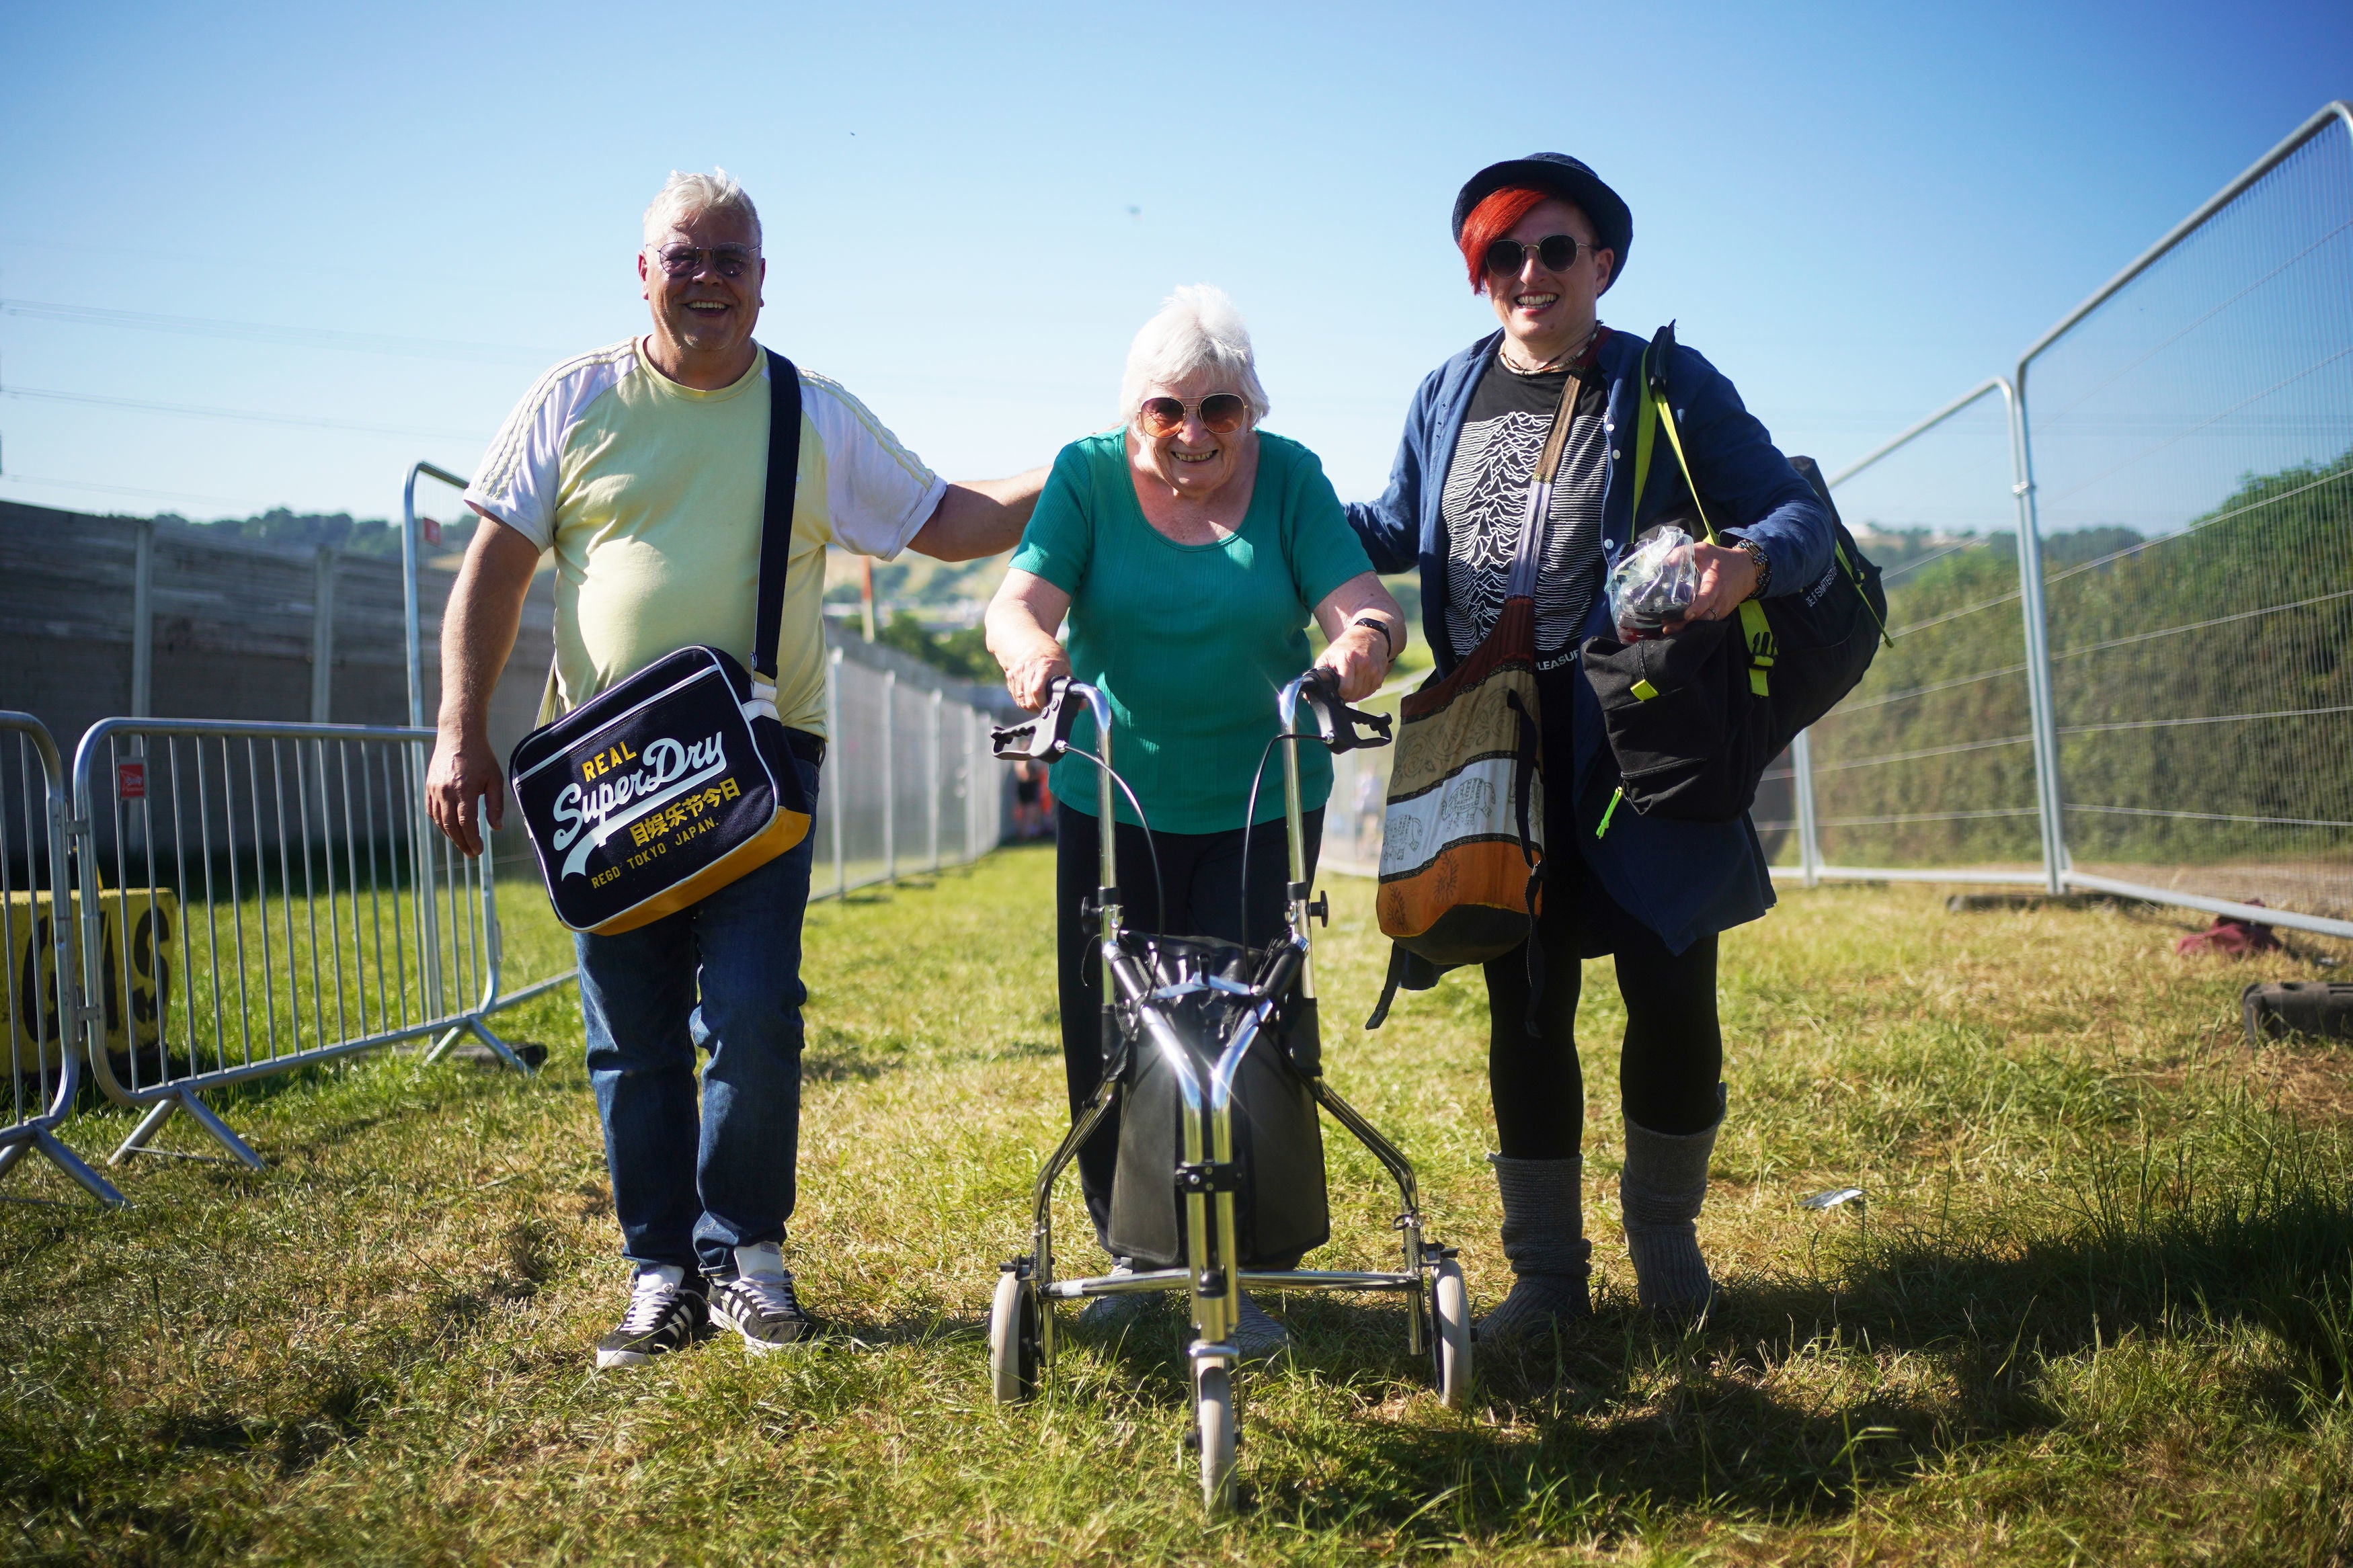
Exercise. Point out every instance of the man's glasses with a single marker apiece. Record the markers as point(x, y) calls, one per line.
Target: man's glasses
point(1554, 253)
point(686, 260)
point(1223, 413)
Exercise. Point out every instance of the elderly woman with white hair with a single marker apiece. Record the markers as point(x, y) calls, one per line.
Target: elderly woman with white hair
point(1188, 548)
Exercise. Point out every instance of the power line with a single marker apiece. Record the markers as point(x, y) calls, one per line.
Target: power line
point(272, 332)
point(129, 490)
point(249, 416)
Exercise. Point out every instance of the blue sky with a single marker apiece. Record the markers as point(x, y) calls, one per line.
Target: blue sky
point(1856, 211)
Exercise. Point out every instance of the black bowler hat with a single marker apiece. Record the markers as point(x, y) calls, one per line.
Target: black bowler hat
point(1559, 174)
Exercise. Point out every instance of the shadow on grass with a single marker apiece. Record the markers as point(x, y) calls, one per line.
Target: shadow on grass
point(1798, 1394)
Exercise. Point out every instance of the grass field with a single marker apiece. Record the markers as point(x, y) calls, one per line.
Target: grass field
point(2099, 1309)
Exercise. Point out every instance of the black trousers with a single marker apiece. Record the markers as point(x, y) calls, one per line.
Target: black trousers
point(1204, 899)
point(1671, 1057)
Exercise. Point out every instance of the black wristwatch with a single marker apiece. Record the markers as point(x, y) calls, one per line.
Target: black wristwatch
point(1388, 640)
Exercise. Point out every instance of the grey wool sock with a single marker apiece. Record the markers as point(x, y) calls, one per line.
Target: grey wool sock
point(1660, 1191)
point(1544, 1239)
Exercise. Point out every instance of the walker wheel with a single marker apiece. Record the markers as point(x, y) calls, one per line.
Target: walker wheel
point(1013, 1340)
point(1213, 1412)
point(1449, 1349)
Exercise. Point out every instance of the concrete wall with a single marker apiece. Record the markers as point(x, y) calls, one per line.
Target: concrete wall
point(234, 624)
point(234, 628)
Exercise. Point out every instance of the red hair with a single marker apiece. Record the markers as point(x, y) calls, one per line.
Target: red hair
point(1497, 213)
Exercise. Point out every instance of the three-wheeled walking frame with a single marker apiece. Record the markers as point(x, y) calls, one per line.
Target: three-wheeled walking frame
point(1201, 1009)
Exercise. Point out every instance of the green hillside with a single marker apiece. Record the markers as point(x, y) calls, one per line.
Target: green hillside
point(2241, 622)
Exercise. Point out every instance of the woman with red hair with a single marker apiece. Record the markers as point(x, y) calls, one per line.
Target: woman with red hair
point(1543, 239)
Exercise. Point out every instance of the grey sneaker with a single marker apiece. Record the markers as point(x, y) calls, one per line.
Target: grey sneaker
point(757, 1300)
point(666, 1309)
point(1257, 1336)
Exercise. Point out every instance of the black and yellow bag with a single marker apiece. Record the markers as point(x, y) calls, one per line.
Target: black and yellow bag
point(1695, 718)
point(679, 780)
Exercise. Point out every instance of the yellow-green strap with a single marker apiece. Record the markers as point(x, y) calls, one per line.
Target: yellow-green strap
point(1675, 439)
point(1757, 633)
point(1755, 630)
point(1644, 419)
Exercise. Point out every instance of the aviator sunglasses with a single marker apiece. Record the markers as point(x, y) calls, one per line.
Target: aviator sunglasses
point(1553, 252)
point(686, 260)
point(1223, 413)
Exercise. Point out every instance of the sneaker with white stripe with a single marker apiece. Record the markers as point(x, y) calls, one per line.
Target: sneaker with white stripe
point(667, 1307)
point(758, 1302)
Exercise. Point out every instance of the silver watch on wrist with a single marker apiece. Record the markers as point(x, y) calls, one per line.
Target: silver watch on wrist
point(1755, 551)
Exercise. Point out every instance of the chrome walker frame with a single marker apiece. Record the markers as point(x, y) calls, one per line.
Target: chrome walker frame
point(1207, 1177)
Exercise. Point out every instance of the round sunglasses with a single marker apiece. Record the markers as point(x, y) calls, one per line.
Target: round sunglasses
point(1223, 413)
point(1554, 253)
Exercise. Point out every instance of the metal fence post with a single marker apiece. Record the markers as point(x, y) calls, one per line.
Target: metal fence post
point(890, 775)
point(421, 828)
point(323, 634)
point(1801, 784)
point(2038, 648)
point(971, 795)
point(932, 774)
point(833, 793)
point(39, 983)
point(142, 621)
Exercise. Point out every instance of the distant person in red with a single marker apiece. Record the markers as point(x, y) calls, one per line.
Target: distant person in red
point(1028, 815)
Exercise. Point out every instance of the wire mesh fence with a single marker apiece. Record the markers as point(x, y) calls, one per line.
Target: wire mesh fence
point(909, 786)
point(1930, 764)
point(2191, 437)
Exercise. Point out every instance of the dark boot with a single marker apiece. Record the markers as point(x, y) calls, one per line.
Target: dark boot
point(1660, 1191)
point(1544, 1238)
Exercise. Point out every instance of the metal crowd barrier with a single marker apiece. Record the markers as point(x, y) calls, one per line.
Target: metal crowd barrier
point(2167, 711)
point(255, 898)
point(1925, 773)
point(37, 929)
point(909, 781)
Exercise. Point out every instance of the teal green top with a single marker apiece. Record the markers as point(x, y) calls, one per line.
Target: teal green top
point(1190, 642)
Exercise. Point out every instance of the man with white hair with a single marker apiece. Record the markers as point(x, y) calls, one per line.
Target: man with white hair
point(643, 466)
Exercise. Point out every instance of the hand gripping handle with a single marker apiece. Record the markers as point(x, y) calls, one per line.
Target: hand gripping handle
point(1340, 726)
point(1041, 738)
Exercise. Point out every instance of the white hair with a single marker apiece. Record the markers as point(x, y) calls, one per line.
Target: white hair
point(685, 196)
point(1197, 328)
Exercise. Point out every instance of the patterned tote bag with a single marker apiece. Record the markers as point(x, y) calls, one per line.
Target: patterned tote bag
point(1462, 847)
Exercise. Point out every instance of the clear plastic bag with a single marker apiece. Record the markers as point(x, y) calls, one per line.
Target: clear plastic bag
point(1653, 584)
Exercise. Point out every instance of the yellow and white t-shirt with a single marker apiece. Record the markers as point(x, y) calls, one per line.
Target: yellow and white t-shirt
point(650, 495)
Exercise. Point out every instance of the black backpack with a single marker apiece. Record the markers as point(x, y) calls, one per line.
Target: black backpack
point(1694, 719)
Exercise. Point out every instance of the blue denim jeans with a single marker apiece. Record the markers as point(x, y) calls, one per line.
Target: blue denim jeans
point(725, 976)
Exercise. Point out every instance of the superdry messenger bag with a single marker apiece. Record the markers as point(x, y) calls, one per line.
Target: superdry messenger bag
point(1693, 719)
point(677, 781)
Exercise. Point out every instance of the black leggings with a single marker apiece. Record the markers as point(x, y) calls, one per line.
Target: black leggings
point(1672, 1056)
point(1204, 872)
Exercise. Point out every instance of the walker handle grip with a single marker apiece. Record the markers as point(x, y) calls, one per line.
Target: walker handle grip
point(1042, 737)
point(1340, 727)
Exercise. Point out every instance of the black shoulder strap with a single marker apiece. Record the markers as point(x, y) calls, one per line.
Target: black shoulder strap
point(777, 510)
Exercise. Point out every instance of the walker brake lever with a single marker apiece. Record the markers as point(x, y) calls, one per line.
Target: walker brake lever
point(1042, 737)
point(1337, 725)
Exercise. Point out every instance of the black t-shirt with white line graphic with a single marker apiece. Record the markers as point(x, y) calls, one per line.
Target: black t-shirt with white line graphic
point(1487, 491)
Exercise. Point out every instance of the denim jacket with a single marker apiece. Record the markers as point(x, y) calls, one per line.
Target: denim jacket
point(1681, 880)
